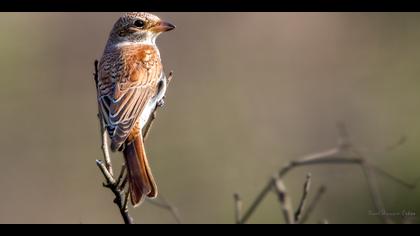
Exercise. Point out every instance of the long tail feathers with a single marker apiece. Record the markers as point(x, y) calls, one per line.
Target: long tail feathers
point(141, 181)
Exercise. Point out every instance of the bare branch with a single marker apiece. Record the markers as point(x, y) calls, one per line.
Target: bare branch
point(105, 149)
point(306, 188)
point(119, 199)
point(375, 193)
point(109, 179)
point(381, 151)
point(126, 200)
point(238, 207)
point(386, 174)
point(163, 203)
point(121, 175)
point(174, 211)
point(124, 182)
point(119, 193)
point(312, 205)
point(285, 201)
point(248, 213)
point(330, 156)
point(343, 136)
point(399, 143)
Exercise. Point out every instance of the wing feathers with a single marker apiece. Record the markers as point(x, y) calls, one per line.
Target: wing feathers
point(126, 85)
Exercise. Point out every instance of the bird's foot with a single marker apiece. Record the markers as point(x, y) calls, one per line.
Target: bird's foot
point(161, 102)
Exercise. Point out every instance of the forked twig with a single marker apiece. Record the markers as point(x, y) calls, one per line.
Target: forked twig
point(164, 204)
point(121, 198)
point(343, 153)
point(312, 205)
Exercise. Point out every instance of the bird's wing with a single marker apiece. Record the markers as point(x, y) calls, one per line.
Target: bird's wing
point(125, 86)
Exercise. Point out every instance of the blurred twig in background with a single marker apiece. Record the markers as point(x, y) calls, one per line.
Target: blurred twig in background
point(344, 153)
point(164, 204)
point(118, 186)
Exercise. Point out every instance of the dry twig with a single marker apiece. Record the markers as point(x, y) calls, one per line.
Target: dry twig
point(164, 204)
point(284, 199)
point(238, 207)
point(312, 205)
point(344, 153)
point(306, 188)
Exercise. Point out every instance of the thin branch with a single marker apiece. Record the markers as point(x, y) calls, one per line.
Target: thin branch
point(263, 193)
point(104, 147)
point(120, 196)
point(375, 193)
point(125, 203)
point(285, 201)
point(343, 136)
point(124, 182)
point(306, 188)
point(163, 203)
point(119, 200)
point(124, 208)
point(397, 180)
point(238, 207)
point(121, 176)
point(109, 179)
point(397, 144)
point(174, 210)
point(312, 205)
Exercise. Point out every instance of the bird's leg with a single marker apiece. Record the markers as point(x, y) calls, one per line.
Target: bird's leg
point(161, 102)
point(163, 85)
point(161, 91)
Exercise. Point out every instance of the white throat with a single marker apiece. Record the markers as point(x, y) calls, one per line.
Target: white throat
point(148, 41)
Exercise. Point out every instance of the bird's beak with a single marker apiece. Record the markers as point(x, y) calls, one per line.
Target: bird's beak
point(163, 26)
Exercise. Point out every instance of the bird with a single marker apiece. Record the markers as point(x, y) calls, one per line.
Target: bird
point(131, 84)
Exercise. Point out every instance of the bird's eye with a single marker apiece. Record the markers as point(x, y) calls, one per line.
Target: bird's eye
point(139, 23)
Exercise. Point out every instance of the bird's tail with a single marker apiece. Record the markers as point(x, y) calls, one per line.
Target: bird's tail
point(140, 178)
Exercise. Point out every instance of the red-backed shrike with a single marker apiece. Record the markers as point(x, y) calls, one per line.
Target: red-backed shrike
point(131, 83)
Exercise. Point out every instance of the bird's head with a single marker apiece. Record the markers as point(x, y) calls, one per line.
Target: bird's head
point(138, 27)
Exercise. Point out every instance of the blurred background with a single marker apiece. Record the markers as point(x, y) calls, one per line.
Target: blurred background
point(251, 92)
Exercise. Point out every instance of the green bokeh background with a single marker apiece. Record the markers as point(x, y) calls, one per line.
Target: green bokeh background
point(251, 91)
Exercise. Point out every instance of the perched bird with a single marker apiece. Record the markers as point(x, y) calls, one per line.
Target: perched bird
point(131, 83)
